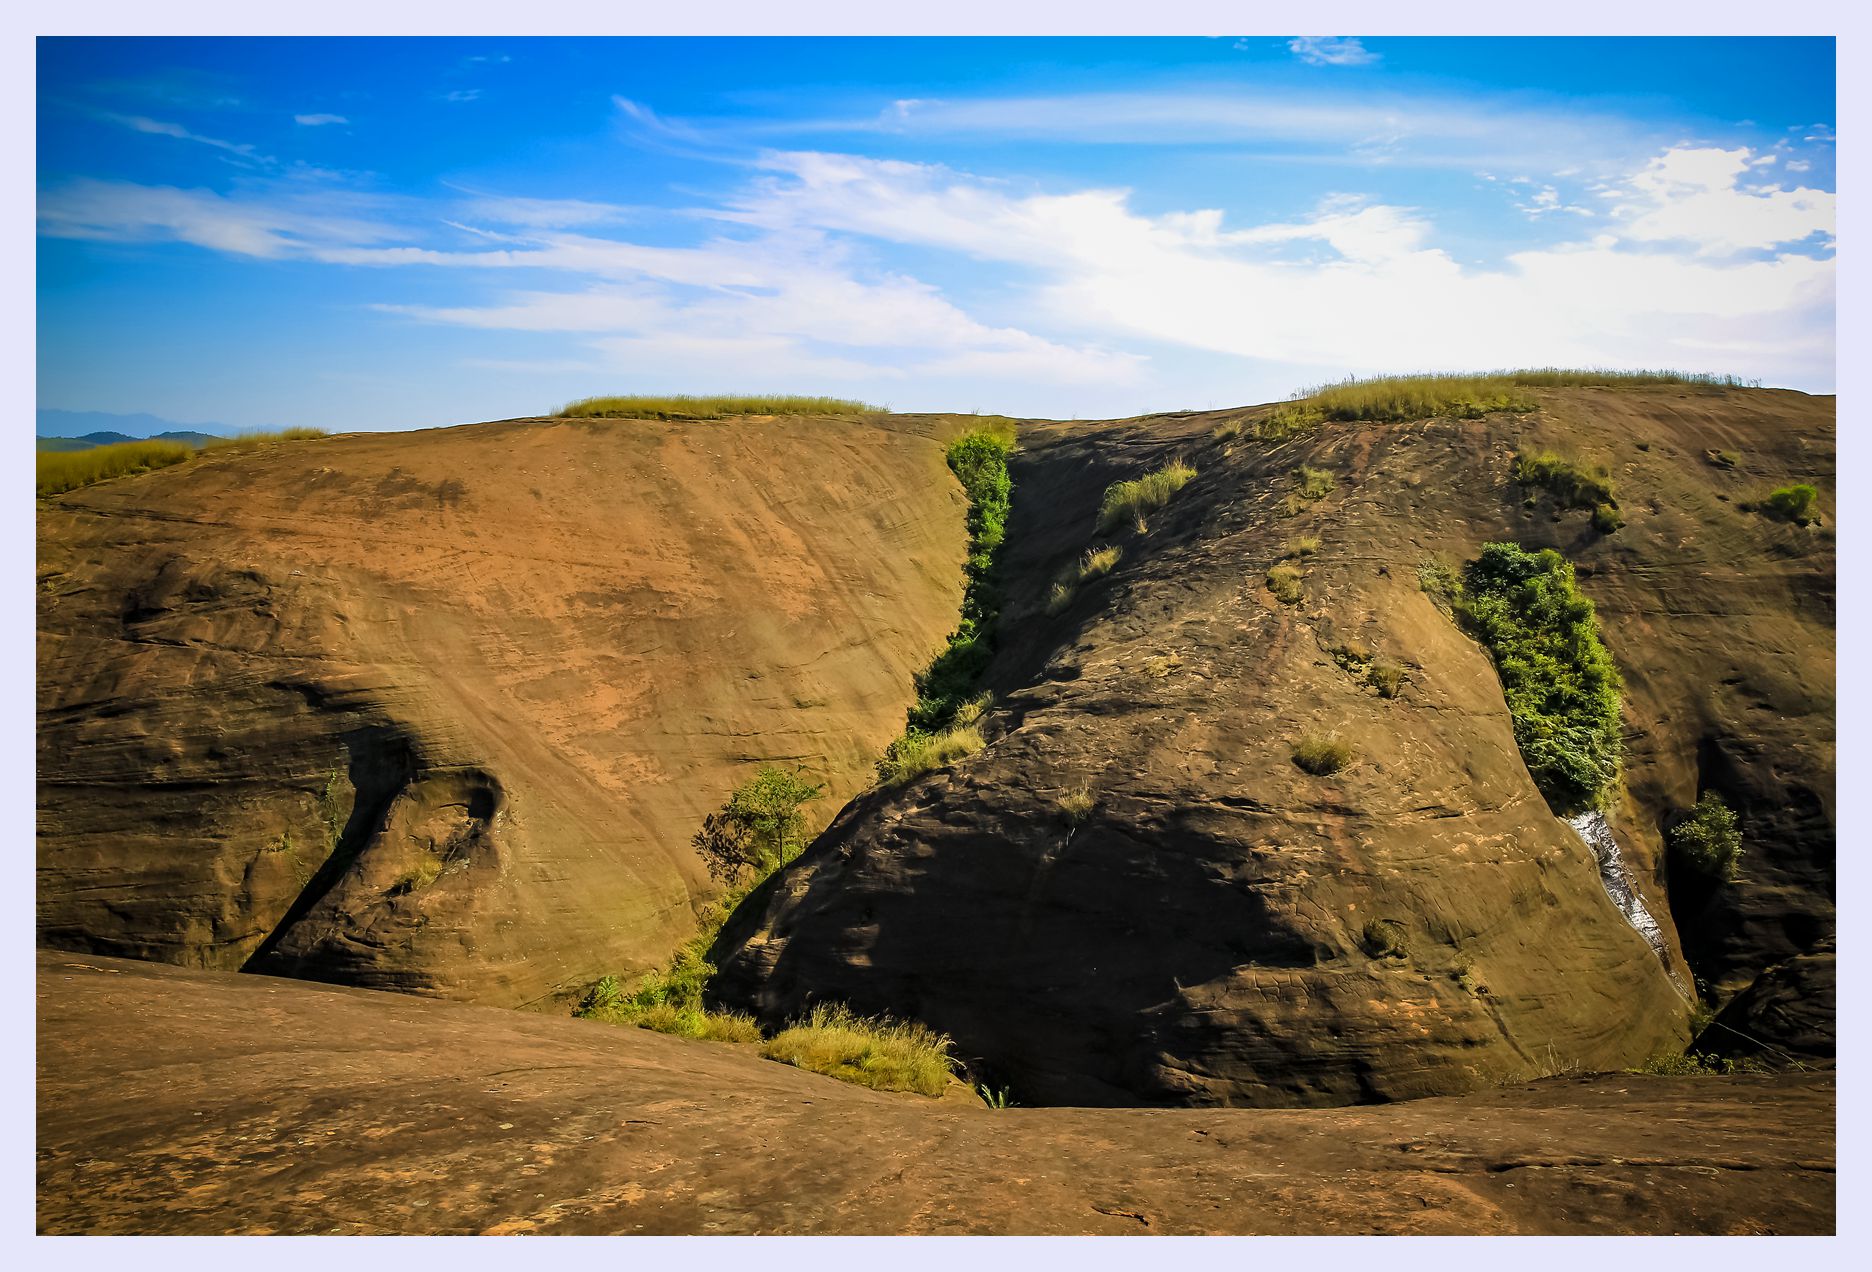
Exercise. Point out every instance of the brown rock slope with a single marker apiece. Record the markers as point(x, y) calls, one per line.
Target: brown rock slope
point(440, 711)
point(179, 1101)
point(1225, 928)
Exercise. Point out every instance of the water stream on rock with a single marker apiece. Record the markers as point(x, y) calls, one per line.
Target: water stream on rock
point(1592, 828)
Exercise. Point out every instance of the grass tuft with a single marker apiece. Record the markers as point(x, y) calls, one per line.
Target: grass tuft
point(880, 1053)
point(1284, 582)
point(1095, 563)
point(1132, 500)
point(1313, 483)
point(685, 406)
point(1304, 546)
point(1077, 805)
point(917, 752)
point(1322, 753)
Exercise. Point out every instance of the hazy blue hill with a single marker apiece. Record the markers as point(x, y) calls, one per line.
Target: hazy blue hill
point(107, 438)
point(100, 428)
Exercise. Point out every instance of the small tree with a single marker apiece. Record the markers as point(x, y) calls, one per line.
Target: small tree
point(1707, 841)
point(760, 826)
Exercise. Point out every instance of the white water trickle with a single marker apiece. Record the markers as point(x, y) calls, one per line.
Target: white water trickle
point(1592, 828)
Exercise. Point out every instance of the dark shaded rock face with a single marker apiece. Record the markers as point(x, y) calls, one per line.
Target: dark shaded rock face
point(1224, 928)
point(1786, 1014)
point(440, 711)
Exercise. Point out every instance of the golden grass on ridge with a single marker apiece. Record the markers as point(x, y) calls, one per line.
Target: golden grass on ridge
point(688, 406)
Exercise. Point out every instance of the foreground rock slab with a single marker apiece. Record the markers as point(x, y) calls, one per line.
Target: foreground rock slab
point(181, 1101)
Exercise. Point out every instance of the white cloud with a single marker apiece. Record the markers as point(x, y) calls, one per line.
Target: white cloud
point(1693, 195)
point(462, 95)
point(317, 121)
point(1329, 50)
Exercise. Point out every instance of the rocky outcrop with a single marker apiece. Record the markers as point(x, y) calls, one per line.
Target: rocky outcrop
point(440, 711)
point(1225, 928)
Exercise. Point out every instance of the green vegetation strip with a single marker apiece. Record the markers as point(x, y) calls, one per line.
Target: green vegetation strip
point(979, 459)
point(1560, 683)
point(684, 406)
point(60, 471)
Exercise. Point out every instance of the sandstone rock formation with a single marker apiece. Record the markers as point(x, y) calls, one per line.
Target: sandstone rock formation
point(1225, 928)
point(440, 711)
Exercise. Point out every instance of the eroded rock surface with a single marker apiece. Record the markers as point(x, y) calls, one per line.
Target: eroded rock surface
point(1225, 928)
point(440, 711)
point(181, 1101)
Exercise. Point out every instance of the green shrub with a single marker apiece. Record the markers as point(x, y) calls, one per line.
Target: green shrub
point(880, 1053)
point(917, 752)
point(1284, 582)
point(685, 406)
point(1322, 753)
point(1132, 500)
point(1305, 545)
point(1792, 503)
point(1313, 483)
point(60, 471)
point(759, 828)
point(1560, 684)
point(1606, 518)
point(1691, 1064)
point(1572, 483)
point(1707, 840)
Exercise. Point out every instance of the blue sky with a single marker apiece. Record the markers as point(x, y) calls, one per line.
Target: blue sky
point(386, 233)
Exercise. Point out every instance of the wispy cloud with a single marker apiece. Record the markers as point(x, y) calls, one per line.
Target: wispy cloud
point(462, 95)
point(1331, 50)
point(318, 121)
point(160, 128)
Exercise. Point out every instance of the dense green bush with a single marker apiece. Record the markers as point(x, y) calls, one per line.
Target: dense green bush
point(1560, 683)
point(1708, 840)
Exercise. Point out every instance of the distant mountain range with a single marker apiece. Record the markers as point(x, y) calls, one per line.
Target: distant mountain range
point(90, 440)
point(81, 430)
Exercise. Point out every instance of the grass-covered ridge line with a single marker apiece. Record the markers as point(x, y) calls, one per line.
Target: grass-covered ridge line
point(60, 471)
point(1460, 395)
point(1561, 686)
point(686, 406)
point(979, 459)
